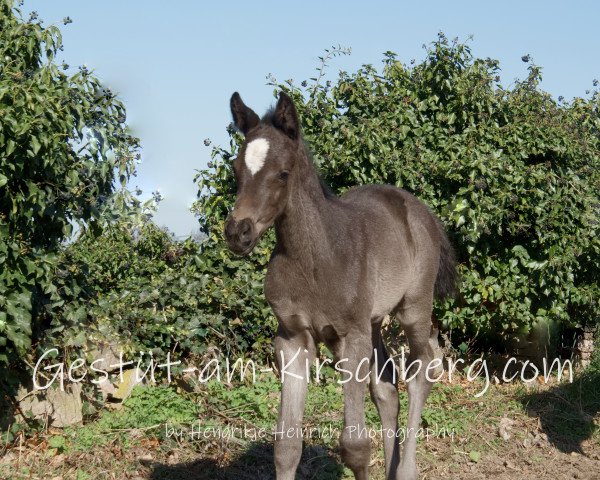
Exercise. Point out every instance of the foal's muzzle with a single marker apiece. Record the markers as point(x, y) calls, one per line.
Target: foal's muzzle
point(240, 236)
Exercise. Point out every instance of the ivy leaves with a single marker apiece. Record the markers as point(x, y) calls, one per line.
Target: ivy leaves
point(513, 174)
point(64, 147)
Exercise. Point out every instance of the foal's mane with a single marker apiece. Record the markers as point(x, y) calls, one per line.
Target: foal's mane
point(268, 116)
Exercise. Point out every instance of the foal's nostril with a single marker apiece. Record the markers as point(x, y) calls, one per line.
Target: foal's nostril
point(245, 231)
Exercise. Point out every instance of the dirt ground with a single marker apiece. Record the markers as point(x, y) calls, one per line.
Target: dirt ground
point(543, 432)
point(531, 458)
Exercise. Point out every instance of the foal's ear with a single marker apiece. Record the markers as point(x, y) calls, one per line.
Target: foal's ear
point(285, 117)
point(244, 117)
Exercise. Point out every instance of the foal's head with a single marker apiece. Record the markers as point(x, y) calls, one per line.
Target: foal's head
point(264, 169)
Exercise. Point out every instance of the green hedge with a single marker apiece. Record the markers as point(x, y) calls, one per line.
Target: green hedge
point(64, 145)
point(513, 173)
point(142, 289)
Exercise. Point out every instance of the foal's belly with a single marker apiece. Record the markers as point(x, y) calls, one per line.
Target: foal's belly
point(335, 307)
point(329, 315)
point(390, 283)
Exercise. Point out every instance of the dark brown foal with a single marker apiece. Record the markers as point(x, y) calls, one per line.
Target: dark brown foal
point(340, 265)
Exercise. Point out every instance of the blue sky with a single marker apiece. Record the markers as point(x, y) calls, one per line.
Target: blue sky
point(175, 64)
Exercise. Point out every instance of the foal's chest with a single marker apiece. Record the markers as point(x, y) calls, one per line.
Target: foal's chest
point(301, 302)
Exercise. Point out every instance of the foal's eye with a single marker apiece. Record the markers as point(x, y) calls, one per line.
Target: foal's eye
point(284, 175)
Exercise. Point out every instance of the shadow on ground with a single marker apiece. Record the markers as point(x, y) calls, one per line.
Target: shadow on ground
point(256, 463)
point(567, 412)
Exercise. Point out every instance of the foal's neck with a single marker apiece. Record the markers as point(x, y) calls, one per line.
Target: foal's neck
point(302, 229)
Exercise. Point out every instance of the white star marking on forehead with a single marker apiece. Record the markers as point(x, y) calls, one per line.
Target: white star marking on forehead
point(256, 152)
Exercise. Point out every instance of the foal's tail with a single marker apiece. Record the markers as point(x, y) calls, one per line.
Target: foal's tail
point(447, 277)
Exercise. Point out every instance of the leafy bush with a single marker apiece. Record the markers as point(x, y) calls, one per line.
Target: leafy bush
point(512, 172)
point(146, 291)
point(64, 146)
point(102, 279)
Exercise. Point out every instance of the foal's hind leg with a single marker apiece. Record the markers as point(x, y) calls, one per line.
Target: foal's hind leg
point(384, 394)
point(416, 321)
point(355, 351)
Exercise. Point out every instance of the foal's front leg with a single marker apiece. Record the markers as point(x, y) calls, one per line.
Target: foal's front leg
point(355, 441)
point(293, 354)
